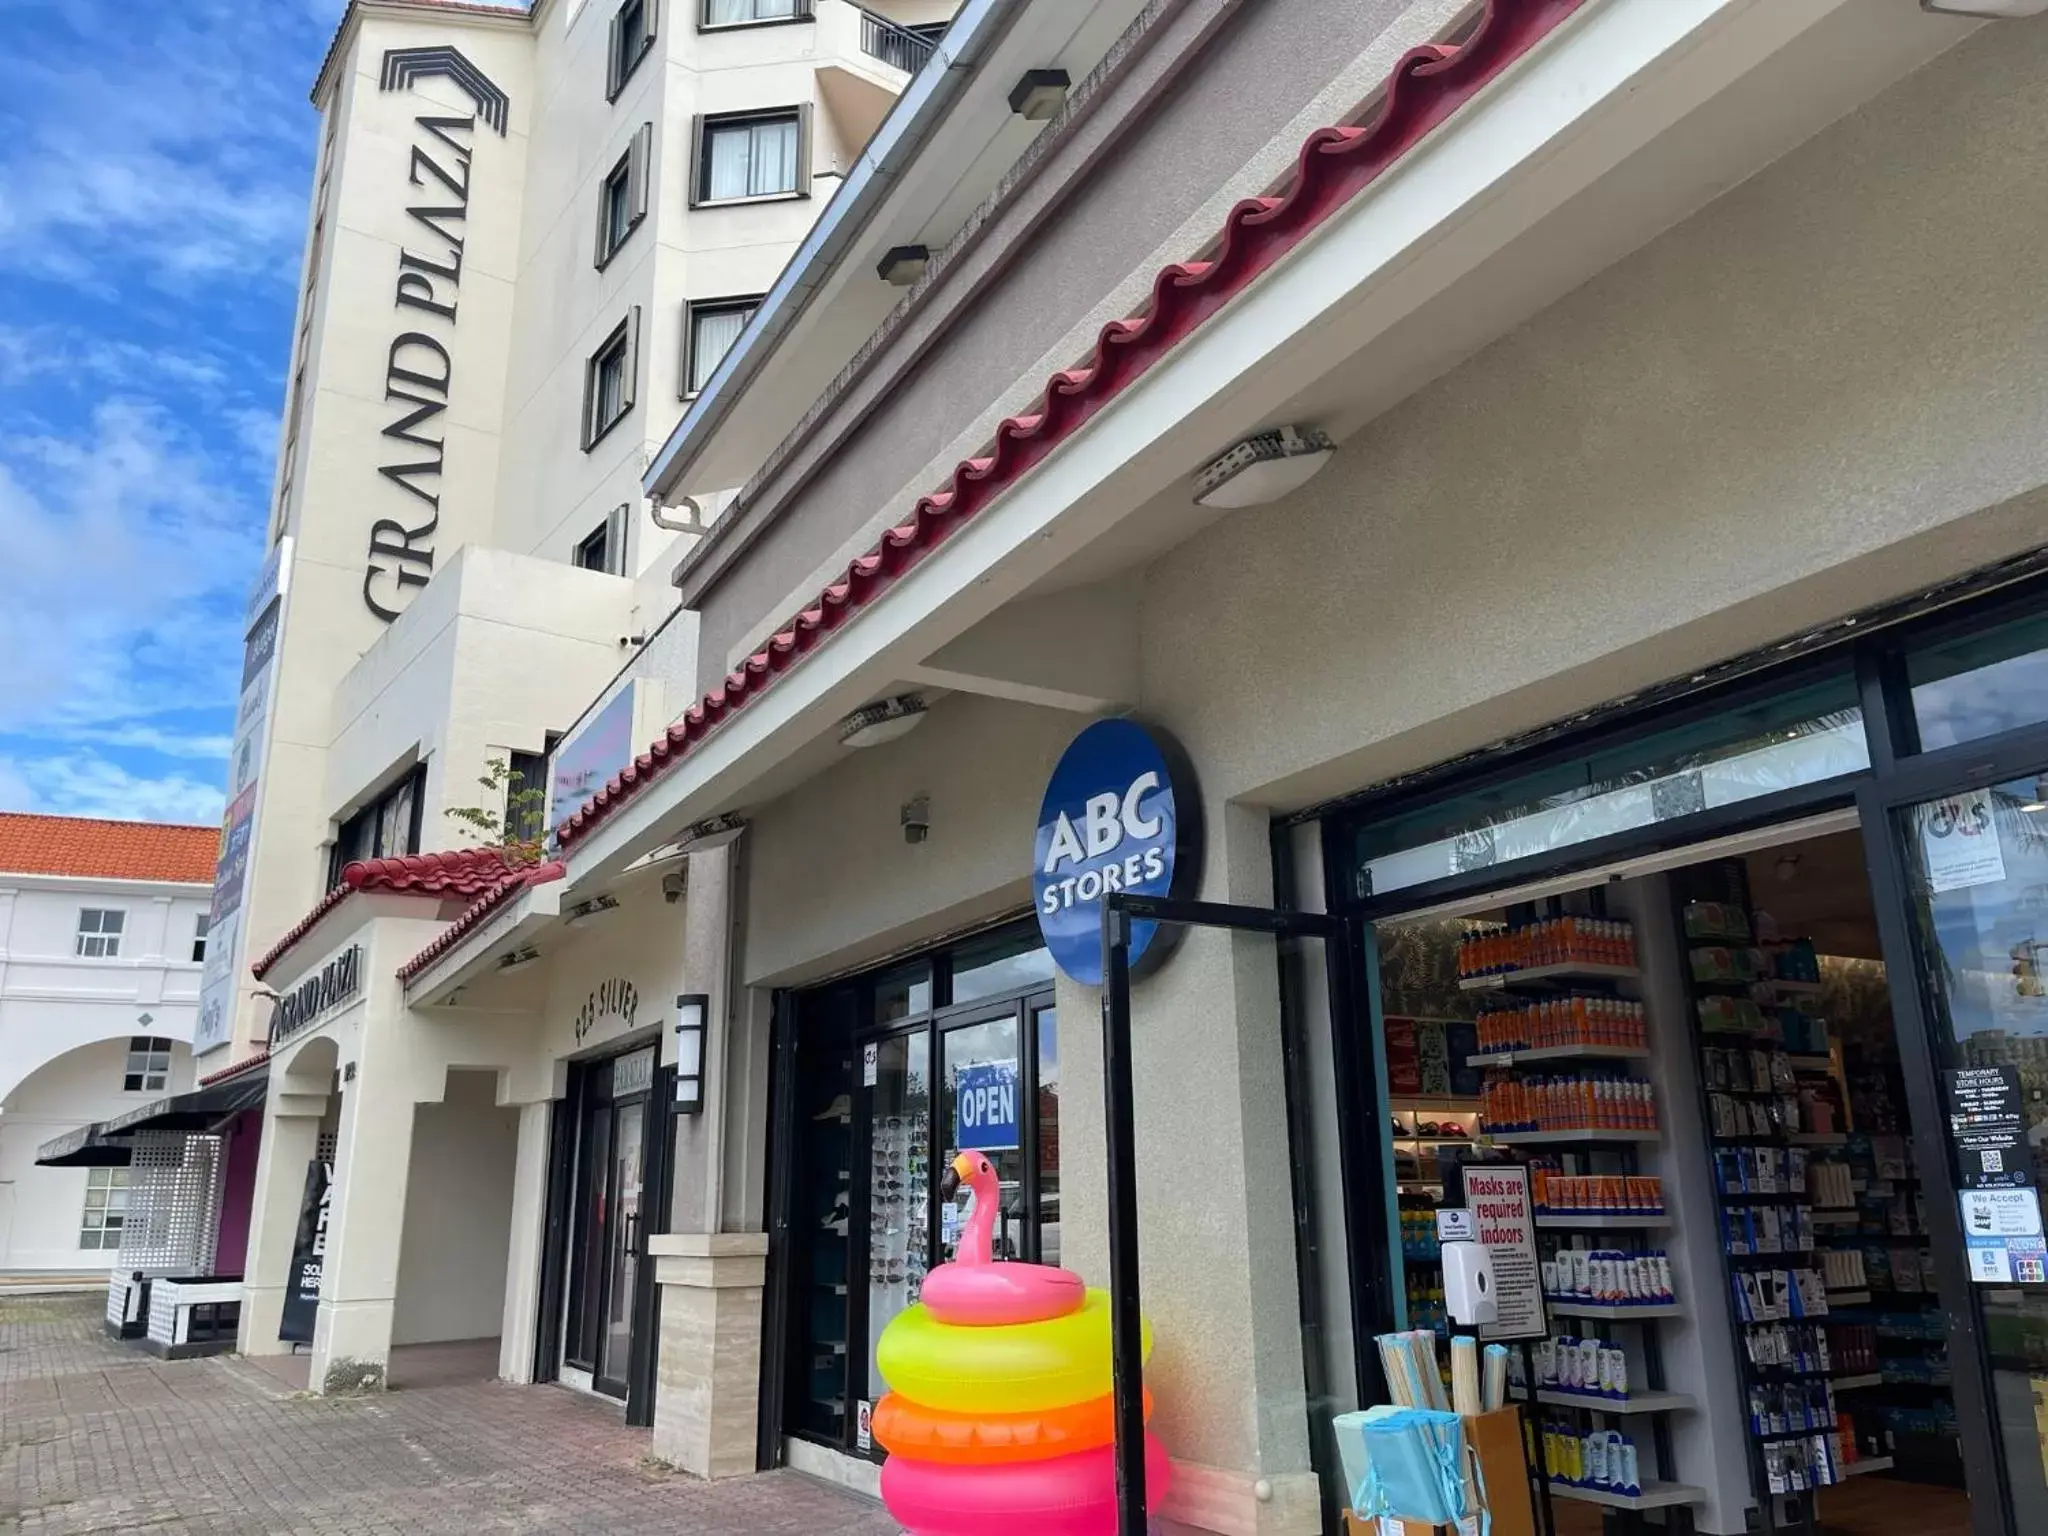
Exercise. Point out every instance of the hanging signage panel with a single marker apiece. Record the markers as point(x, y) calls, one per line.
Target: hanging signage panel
point(1988, 1129)
point(1497, 1195)
point(1119, 814)
point(985, 1099)
point(1959, 838)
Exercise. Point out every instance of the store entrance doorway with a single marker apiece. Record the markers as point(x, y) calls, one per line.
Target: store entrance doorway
point(1697, 1056)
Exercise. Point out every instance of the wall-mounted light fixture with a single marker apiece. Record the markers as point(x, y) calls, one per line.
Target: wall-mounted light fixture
point(518, 959)
point(882, 721)
point(1263, 468)
point(692, 1010)
point(590, 911)
point(1039, 94)
point(902, 265)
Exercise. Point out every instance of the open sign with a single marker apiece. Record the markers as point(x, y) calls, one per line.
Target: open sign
point(985, 1107)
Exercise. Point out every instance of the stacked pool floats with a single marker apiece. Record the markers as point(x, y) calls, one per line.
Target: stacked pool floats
point(999, 1421)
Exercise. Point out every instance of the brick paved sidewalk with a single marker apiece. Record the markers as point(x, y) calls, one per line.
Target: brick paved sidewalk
point(96, 1437)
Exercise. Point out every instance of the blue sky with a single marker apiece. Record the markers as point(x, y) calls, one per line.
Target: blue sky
point(155, 165)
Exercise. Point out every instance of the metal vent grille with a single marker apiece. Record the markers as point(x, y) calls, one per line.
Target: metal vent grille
point(174, 1192)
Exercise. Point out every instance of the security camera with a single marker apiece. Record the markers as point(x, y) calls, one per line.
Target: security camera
point(675, 885)
point(917, 819)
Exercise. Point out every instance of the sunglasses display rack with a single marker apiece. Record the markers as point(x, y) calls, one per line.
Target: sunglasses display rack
point(896, 1210)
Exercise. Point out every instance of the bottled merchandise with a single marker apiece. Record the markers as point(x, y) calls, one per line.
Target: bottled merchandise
point(1563, 1021)
point(1576, 1101)
point(1603, 1459)
point(1608, 1277)
point(1566, 1194)
point(1568, 940)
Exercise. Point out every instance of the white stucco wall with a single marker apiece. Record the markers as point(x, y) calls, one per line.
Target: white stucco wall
point(40, 1207)
point(458, 1212)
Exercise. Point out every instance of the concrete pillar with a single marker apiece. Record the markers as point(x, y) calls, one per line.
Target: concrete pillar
point(522, 1268)
point(708, 1381)
point(291, 1140)
point(366, 1223)
point(1216, 1208)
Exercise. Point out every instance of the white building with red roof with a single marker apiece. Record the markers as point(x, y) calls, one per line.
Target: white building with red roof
point(102, 939)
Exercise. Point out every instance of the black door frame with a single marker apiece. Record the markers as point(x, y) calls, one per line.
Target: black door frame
point(1126, 1326)
point(620, 1388)
point(1972, 765)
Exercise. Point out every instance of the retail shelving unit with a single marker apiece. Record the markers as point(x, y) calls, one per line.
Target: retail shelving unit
point(1607, 1151)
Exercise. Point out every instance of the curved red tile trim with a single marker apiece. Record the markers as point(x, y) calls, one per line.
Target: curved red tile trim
point(236, 1069)
point(457, 872)
point(1424, 88)
point(474, 914)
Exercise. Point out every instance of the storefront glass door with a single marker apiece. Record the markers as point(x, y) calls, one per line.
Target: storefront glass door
point(897, 1087)
point(1976, 867)
point(981, 1109)
point(591, 1222)
point(628, 1142)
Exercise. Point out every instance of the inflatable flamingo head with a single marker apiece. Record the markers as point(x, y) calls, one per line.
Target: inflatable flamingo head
point(976, 1172)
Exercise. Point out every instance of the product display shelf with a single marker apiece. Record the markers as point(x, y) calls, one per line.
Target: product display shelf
point(1620, 1221)
point(1655, 1495)
point(1760, 1147)
point(1865, 1464)
point(1624, 1313)
point(1547, 975)
point(1607, 1157)
point(1586, 1052)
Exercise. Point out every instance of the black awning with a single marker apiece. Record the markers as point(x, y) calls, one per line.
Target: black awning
point(203, 1109)
point(86, 1147)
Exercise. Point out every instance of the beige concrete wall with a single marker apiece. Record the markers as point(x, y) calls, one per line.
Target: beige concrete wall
point(1828, 388)
point(458, 1214)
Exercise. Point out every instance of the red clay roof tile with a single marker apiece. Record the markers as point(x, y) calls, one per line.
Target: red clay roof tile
point(110, 850)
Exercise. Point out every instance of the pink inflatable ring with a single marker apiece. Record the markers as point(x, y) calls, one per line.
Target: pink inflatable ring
point(1066, 1496)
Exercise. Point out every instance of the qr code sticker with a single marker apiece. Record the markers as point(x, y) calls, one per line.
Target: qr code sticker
point(1994, 1162)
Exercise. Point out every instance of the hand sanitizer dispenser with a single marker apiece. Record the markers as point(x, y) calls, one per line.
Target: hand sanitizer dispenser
point(1468, 1285)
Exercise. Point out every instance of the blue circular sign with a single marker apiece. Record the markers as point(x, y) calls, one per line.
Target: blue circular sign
point(1119, 815)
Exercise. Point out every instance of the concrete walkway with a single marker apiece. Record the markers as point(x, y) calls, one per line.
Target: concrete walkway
point(97, 1437)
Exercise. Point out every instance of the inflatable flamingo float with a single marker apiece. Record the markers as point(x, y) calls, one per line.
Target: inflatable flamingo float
point(999, 1421)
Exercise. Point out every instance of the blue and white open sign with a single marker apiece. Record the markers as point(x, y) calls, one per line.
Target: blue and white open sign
point(1119, 815)
point(985, 1107)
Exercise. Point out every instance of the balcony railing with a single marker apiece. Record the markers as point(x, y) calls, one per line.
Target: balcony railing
point(900, 47)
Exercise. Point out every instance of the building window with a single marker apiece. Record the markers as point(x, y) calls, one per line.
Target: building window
point(633, 30)
point(593, 554)
point(199, 926)
point(711, 329)
point(622, 197)
point(387, 828)
point(746, 13)
point(526, 794)
point(99, 933)
point(149, 1065)
point(762, 154)
point(106, 1204)
point(608, 380)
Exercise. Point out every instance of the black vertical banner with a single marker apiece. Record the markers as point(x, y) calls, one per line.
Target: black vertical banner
point(309, 1252)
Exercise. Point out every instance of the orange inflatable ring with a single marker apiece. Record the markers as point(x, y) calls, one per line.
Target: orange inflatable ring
point(992, 1439)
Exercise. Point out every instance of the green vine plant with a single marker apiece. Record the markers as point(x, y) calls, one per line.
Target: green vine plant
point(512, 820)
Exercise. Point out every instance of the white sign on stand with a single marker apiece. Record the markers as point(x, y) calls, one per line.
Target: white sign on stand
point(1497, 1197)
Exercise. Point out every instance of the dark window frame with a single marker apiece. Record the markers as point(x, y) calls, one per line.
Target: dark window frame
point(622, 342)
point(200, 924)
point(705, 125)
point(630, 42)
point(146, 1048)
point(597, 542)
point(358, 836)
point(626, 179)
point(806, 10)
point(695, 309)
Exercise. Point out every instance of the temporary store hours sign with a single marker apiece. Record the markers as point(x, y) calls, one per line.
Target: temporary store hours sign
point(1119, 815)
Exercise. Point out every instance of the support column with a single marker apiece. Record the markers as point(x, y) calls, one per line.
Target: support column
point(291, 1140)
point(366, 1223)
point(523, 1259)
point(707, 1392)
point(1215, 1206)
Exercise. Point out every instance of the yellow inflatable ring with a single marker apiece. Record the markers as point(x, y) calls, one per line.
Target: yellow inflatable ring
point(1016, 1368)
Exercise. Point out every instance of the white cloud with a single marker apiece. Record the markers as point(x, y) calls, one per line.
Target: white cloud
point(128, 555)
point(91, 786)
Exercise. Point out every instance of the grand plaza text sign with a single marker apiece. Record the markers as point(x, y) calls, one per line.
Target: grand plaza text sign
point(419, 369)
point(335, 983)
